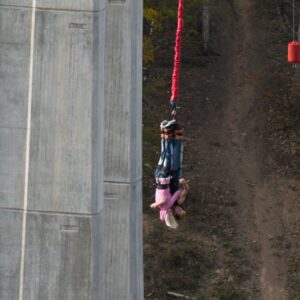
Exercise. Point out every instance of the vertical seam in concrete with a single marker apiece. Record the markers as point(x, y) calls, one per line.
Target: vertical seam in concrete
point(27, 155)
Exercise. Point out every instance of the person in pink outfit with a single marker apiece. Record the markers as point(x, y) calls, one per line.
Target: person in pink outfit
point(170, 205)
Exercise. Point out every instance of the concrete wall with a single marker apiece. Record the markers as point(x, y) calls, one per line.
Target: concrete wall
point(122, 152)
point(51, 140)
point(58, 238)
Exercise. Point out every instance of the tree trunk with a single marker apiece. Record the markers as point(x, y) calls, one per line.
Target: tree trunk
point(205, 25)
point(296, 79)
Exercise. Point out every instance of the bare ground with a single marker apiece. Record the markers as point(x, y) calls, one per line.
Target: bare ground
point(240, 239)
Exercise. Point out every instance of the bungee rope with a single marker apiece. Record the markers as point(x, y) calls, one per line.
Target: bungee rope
point(177, 59)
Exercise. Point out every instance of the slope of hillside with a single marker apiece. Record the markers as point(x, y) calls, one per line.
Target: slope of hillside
point(240, 239)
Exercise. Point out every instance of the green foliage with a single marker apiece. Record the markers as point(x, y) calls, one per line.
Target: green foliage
point(151, 16)
point(148, 54)
point(164, 14)
point(193, 16)
point(160, 20)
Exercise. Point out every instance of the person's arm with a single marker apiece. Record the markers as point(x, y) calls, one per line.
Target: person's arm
point(184, 191)
point(185, 185)
point(156, 204)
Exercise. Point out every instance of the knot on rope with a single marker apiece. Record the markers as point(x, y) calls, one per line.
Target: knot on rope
point(173, 107)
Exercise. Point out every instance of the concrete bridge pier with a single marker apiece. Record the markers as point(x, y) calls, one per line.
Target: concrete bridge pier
point(51, 156)
point(122, 151)
point(70, 110)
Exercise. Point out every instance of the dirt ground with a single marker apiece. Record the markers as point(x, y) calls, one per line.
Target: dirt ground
point(240, 239)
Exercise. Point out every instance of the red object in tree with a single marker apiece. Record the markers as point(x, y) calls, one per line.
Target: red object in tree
point(294, 52)
point(177, 57)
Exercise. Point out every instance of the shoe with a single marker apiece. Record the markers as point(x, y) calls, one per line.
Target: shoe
point(170, 221)
point(166, 124)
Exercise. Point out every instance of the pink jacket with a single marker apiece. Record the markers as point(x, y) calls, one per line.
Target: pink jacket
point(161, 194)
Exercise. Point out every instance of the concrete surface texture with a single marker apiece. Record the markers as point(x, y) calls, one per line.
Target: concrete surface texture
point(122, 151)
point(51, 156)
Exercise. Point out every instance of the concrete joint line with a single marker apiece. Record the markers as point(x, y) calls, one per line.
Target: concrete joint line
point(123, 182)
point(18, 210)
point(53, 9)
point(27, 154)
point(13, 127)
point(53, 213)
point(70, 10)
point(56, 213)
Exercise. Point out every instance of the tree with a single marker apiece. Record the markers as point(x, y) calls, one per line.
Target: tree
point(206, 25)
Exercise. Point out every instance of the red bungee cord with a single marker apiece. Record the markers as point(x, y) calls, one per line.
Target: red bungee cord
point(177, 57)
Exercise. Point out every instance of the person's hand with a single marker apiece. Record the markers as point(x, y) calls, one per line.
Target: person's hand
point(182, 181)
point(153, 205)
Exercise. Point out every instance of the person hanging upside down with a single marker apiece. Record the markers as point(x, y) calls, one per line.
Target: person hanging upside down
point(171, 188)
point(170, 205)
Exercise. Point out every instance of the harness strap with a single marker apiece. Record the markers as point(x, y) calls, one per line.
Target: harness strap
point(162, 186)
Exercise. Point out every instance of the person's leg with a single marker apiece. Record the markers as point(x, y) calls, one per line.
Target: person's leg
point(170, 220)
